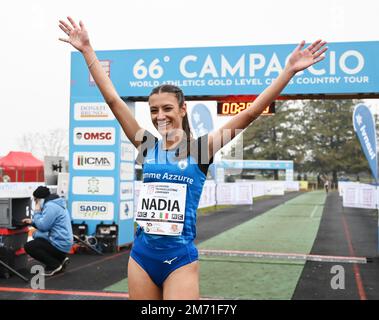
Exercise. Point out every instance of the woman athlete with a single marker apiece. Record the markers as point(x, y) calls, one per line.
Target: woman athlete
point(163, 263)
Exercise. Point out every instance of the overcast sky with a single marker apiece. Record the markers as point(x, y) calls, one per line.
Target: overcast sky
point(35, 66)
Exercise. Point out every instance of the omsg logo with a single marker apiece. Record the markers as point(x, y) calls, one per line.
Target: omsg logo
point(90, 136)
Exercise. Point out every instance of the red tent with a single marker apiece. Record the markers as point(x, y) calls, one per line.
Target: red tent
point(22, 167)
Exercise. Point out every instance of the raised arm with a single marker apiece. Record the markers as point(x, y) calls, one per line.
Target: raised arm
point(79, 39)
point(299, 60)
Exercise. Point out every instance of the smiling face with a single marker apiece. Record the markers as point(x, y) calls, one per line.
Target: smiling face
point(166, 114)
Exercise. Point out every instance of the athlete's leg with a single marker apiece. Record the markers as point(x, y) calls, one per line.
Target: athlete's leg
point(141, 287)
point(183, 283)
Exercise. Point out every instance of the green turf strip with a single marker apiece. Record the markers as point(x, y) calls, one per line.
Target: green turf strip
point(247, 280)
point(121, 286)
point(290, 228)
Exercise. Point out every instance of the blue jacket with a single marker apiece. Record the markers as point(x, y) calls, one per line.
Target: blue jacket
point(53, 224)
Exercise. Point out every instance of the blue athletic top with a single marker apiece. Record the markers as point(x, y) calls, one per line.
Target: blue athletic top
point(188, 170)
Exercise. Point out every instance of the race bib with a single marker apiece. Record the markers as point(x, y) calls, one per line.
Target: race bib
point(161, 208)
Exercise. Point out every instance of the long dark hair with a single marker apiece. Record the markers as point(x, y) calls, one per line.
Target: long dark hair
point(168, 88)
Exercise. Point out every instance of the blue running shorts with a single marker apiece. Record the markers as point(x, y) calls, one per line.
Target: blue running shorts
point(159, 263)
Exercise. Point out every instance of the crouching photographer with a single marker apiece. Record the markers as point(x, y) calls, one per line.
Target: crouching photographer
point(53, 238)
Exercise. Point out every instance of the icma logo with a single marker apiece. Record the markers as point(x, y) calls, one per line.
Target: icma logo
point(103, 162)
point(93, 161)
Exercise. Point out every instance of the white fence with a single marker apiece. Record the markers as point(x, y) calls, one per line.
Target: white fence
point(291, 186)
point(208, 197)
point(235, 193)
point(268, 188)
point(358, 195)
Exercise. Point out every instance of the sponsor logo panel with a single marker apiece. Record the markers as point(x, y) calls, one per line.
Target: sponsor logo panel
point(126, 210)
point(127, 171)
point(127, 152)
point(93, 210)
point(126, 190)
point(94, 136)
point(89, 111)
point(94, 161)
point(93, 186)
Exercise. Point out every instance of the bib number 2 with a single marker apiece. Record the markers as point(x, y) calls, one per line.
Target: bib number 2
point(161, 208)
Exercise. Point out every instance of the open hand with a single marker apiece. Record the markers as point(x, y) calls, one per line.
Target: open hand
point(302, 59)
point(77, 35)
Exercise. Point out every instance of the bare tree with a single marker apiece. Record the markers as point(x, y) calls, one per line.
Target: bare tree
point(55, 143)
point(28, 143)
point(52, 143)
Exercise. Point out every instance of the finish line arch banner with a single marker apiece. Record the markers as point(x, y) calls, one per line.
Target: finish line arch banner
point(101, 188)
point(349, 68)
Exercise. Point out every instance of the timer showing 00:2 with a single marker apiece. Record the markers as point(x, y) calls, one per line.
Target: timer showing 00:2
point(232, 108)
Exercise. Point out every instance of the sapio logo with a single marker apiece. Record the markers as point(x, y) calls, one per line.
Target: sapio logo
point(91, 136)
point(92, 210)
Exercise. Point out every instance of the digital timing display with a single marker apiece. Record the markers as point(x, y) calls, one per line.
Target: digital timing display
point(232, 108)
